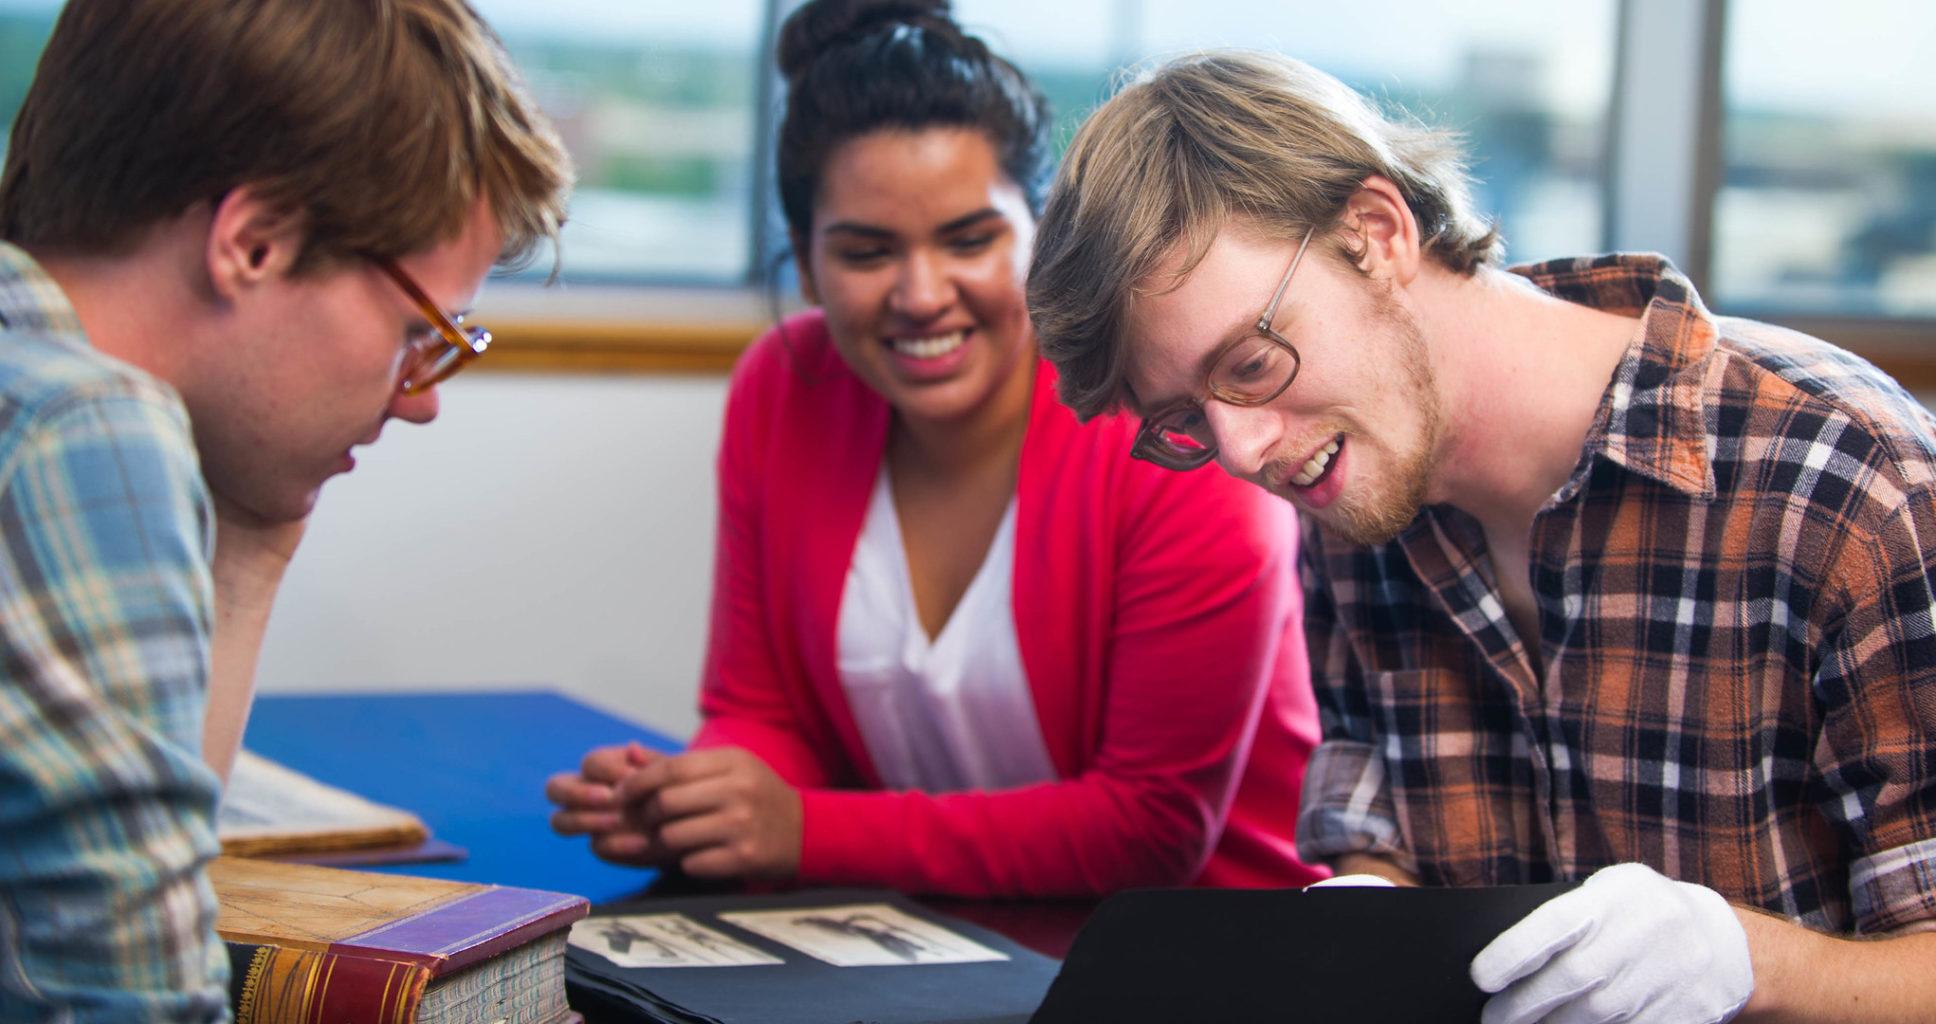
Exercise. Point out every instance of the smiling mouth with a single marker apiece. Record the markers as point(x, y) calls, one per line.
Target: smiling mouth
point(931, 346)
point(1318, 466)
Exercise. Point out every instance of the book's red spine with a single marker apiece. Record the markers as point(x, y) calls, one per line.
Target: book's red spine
point(275, 985)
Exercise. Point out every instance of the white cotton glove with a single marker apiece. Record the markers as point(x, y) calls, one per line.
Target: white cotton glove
point(1369, 881)
point(1628, 945)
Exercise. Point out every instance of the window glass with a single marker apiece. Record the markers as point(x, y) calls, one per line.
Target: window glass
point(656, 103)
point(1528, 82)
point(1827, 201)
point(24, 28)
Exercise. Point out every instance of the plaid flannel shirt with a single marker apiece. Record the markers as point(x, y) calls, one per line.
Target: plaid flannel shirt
point(106, 809)
point(1735, 627)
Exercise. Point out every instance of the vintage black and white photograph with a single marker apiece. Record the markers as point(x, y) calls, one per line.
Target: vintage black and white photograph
point(863, 935)
point(663, 940)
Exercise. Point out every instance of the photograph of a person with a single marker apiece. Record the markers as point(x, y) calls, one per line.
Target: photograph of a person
point(663, 940)
point(864, 935)
point(897, 941)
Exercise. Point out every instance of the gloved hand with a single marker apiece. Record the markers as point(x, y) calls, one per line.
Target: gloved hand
point(1628, 945)
point(1342, 881)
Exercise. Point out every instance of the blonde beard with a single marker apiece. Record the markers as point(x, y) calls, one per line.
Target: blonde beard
point(1380, 515)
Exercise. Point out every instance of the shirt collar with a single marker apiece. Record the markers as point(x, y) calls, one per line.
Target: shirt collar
point(1653, 417)
point(29, 299)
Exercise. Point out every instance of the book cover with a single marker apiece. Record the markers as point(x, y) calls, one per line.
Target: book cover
point(321, 944)
point(270, 808)
point(1251, 956)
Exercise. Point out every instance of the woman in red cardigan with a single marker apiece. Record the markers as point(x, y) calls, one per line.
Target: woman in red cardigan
point(961, 643)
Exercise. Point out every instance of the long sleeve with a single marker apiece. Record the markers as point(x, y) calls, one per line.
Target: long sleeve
point(106, 808)
point(1202, 595)
point(1346, 805)
point(1151, 608)
point(746, 696)
point(1878, 738)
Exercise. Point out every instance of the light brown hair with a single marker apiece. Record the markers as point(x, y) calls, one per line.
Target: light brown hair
point(379, 122)
point(1193, 143)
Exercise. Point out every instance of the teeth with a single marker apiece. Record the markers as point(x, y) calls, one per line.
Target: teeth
point(930, 348)
point(1315, 468)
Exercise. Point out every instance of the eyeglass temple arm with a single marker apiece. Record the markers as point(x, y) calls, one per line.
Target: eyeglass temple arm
point(1270, 311)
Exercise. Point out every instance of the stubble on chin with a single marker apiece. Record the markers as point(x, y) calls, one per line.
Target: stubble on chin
point(1379, 521)
point(1393, 501)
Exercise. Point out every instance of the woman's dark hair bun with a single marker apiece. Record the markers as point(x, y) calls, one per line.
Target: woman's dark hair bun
point(822, 24)
point(859, 66)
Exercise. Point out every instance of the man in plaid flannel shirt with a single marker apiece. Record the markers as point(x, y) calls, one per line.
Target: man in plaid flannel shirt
point(229, 236)
point(1601, 586)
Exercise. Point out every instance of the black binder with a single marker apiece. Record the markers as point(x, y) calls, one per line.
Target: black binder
point(1357, 954)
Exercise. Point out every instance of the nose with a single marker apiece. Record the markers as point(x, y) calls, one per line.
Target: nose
point(923, 290)
point(418, 408)
point(1245, 436)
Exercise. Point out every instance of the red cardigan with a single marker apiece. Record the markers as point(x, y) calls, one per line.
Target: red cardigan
point(1157, 615)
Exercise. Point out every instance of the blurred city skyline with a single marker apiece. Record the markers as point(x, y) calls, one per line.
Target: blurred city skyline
point(1828, 188)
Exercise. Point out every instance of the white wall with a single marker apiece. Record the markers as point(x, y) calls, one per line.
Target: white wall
point(545, 530)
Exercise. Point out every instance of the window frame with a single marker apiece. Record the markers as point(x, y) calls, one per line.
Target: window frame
point(1655, 85)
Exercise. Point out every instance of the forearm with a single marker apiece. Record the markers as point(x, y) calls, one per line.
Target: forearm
point(1805, 976)
point(234, 650)
point(250, 559)
point(1087, 837)
point(104, 915)
point(779, 744)
point(1372, 864)
point(125, 935)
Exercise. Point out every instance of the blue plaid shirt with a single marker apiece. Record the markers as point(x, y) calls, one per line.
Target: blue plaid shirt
point(106, 809)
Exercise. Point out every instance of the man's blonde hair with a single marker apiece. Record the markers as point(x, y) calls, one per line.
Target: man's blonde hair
point(1188, 146)
point(379, 122)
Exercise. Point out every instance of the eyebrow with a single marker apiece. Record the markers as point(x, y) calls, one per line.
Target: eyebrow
point(851, 227)
point(1230, 336)
point(970, 219)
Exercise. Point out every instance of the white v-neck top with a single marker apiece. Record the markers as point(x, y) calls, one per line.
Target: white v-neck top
point(947, 714)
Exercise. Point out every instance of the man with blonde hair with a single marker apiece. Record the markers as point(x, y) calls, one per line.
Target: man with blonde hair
point(230, 238)
point(1600, 586)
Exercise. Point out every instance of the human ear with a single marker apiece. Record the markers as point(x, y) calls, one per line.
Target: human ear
point(250, 241)
point(1386, 230)
point(803, 265)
